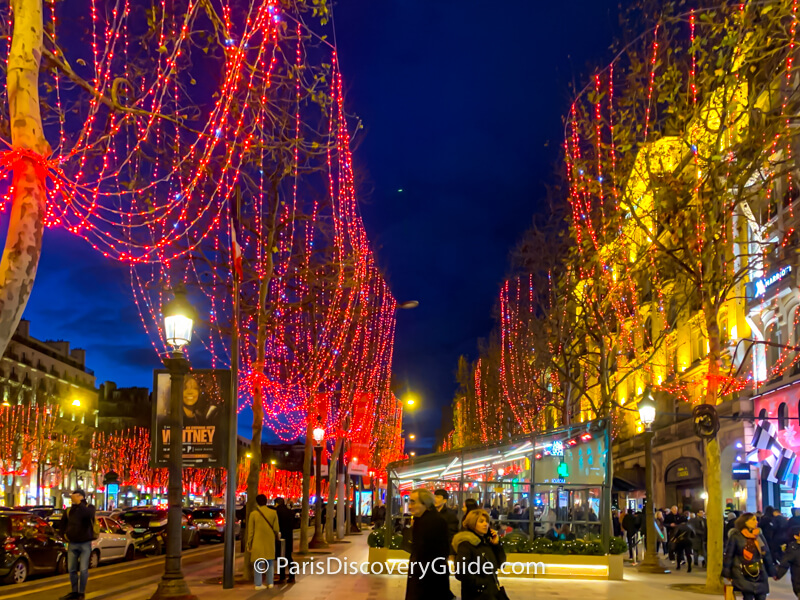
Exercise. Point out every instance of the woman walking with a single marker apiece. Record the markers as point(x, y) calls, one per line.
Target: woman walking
point(262, 532)
point(478, 543)
point(747, 561)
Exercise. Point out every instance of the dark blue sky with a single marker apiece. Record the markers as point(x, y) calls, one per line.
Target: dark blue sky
point(462, 104)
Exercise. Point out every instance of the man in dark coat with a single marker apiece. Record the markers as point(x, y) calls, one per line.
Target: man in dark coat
point(286, 526)
point(378, 514)
point(428, 573)
point(631, 526)
point(450, 517)
point(700, 528)
point(77, 527)
point(791, 560)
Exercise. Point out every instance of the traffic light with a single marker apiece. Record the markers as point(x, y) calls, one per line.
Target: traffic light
point(706, 421)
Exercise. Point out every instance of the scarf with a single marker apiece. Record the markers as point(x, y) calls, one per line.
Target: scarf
point(754, 535)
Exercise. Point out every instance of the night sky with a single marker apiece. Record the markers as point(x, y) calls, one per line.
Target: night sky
point(462, 105)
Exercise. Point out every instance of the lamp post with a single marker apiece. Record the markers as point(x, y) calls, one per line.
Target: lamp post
point(647, 415)
point(318, 541)
point(179, 316)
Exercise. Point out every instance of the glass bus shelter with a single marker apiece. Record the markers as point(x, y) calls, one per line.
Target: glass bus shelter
point(530, 483)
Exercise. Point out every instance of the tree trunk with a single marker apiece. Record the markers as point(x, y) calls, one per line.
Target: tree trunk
point(24, 238)
point(333, 486)
point(714, 508)
point(306, 492)
point(258, 411)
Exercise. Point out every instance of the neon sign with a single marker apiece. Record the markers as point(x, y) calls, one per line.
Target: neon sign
point(766, 282)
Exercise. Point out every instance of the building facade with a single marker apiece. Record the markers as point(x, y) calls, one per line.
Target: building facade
point(50, 413)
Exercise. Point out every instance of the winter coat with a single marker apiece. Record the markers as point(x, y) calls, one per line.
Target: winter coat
point(285, 521)
point(261, 533)
point(469, 548)
point(77, 523)
point(682, 537)
point(700, 528)
point(732, 565)
point(451, 518)
point(630, 525)
point(791, 562)
point(429, 546)
point(379, 515)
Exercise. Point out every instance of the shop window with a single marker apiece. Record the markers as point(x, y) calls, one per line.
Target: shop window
point(762, 414)
point(783, 416)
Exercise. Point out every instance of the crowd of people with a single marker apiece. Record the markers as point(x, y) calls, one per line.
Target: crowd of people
point(682, 536)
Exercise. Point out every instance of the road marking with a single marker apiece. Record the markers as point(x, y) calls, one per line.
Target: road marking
point(111, 573)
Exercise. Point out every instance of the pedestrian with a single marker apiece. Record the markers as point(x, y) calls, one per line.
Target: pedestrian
point(470, 504)
point(791, 561)
point(747, 561)
point(564, 534)
point(670, 522)
point(700, 528)
point(428, 577)
point(661, 536)
point(440, 498)
point(286, 527)
point(378, 514)
point(262, 531)
point(730, 520)
point(629, 525)
point(478, 544)
point(616, 526)
point(794, 521)
point(78, 525)
point(780, 534)
point(769, 529)
point(682, 541)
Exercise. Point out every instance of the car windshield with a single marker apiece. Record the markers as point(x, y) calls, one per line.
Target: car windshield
point(206, 514)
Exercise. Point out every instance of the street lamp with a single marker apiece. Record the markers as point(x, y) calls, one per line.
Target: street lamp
point(318, 541)
point(179, 317)
point(412, 436)
point(647, 415)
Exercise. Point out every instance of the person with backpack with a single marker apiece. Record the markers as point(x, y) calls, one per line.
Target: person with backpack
point(791, 560)
point(79, 527)
point(747, 561)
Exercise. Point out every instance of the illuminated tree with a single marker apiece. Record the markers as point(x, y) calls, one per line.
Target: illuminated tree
point(685, 141)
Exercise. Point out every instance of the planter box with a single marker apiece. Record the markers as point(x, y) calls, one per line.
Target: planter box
point(563, 566)
point(383, 555)
point(548, 566)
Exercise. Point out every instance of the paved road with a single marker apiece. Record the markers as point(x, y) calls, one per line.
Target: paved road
point(112, 580)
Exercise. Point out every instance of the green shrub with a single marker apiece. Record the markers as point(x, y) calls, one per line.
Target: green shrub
point(617, 546)
point(397, 542)
point(376, 539)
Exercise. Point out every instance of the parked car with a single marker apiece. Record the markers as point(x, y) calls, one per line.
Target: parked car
point(114, 543)
point(150, 530)
point(28, 544)
point(210, 523)
point(42, 510)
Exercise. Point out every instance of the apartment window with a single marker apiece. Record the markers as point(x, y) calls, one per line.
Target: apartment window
point(773, 350)
point(783, 416)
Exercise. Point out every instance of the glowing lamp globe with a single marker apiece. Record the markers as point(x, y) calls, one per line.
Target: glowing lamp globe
point(179, 316)
point(319, 434)
point(647, 410)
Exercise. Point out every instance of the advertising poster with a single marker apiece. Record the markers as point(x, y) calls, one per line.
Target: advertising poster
point(204, 402)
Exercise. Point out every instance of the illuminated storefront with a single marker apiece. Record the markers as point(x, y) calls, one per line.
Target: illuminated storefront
point(533, 481)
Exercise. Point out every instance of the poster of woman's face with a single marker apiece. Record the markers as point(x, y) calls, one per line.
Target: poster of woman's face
point(202, 401)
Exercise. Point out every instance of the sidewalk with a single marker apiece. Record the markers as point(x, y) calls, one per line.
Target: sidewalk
point(390, 587)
